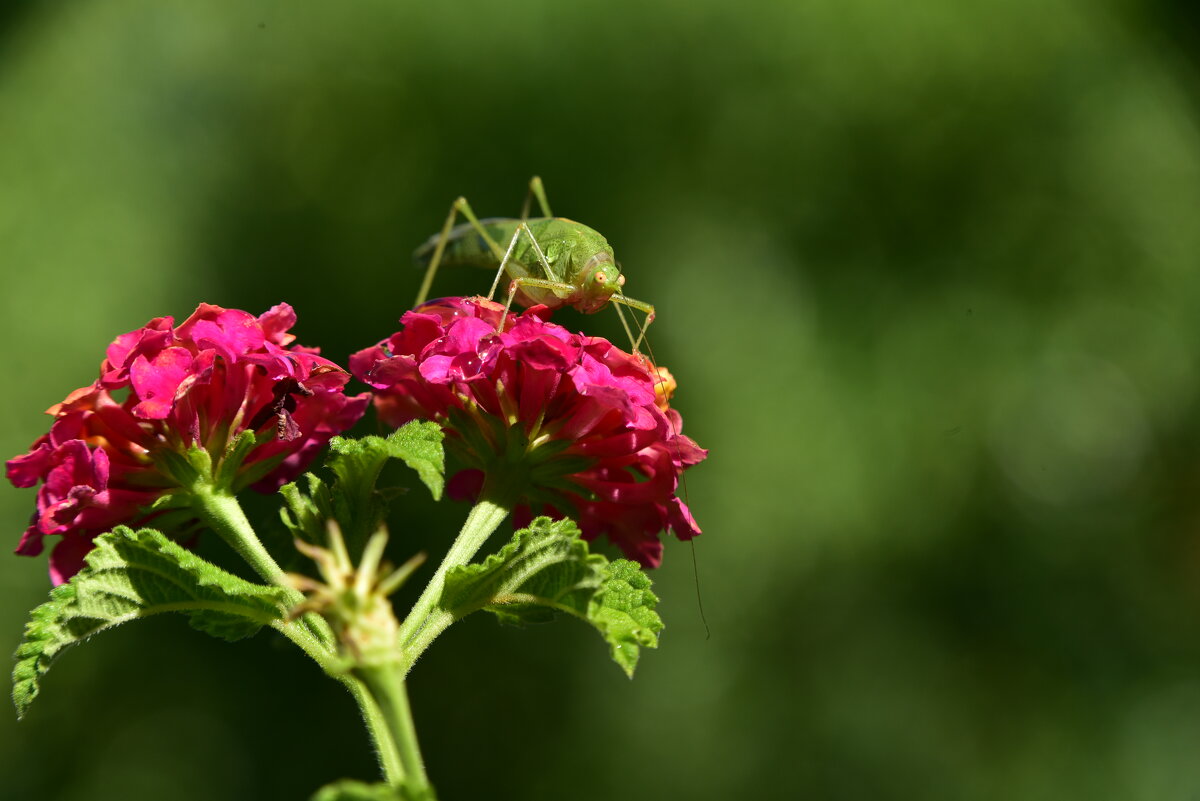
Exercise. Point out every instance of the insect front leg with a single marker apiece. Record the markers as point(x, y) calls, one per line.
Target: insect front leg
point(512, 243)
point(641, 306)
point(515, 285)
point(459, 206)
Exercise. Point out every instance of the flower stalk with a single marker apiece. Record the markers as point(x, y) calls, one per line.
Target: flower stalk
point(352, 601)
point(404, 765)
point(378, 729)
point(426, 621)
point(221, 512)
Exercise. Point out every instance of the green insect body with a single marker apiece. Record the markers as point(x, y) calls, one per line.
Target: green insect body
point(578, 258)
point(549, 260)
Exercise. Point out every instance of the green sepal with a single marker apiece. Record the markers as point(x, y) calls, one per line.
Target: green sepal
point(351, 790)
point(186, 469)
point(196, 465)
point(133, 574)
point(172, 500)
point(545, 569)
point(229, 474)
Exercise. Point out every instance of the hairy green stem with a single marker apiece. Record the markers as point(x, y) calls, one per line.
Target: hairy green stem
point(222, 512)
point(224, 515)
point(376, 721)
point(373, 717)
point(310, 643)
point(378, 690)
point(381, 700)
point(385, 683)
point(426, 621)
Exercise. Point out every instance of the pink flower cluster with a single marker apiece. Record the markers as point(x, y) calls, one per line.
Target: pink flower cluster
point(166, 388)
point(586, 422)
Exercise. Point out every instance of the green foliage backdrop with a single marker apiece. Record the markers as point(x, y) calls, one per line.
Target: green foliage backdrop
point(927, 275)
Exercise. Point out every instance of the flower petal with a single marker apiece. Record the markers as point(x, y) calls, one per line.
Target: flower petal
point(155, 382)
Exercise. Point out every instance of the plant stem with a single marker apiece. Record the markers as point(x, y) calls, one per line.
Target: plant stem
point(224, 515)
point(378, 691)
point(425, 621)
point(377, 727)
point(385, 684)
point(310, 642)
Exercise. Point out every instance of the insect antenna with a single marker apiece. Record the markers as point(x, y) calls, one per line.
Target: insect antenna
point(629, 331)
point(661, 384)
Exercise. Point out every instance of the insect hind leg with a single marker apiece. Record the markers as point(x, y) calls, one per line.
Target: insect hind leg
point(459, 206)
point(536, 189)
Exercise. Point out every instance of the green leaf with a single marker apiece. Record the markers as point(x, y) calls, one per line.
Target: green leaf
point(351, 790)
point(623, 610)
point(353, 498)
point(133, 574)
point(418, 444)
point(547, 569)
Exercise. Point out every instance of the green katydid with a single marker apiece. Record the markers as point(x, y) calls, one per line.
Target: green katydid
point(550, 260)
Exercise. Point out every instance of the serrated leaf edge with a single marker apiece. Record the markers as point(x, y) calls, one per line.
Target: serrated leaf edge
point(624, 648)
point(34, 660)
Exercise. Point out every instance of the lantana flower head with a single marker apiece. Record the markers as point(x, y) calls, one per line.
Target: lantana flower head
point(162, 391)
point(583, 427)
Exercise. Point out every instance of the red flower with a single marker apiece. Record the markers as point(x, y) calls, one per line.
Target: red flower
point(163, 390)
point(585, 423)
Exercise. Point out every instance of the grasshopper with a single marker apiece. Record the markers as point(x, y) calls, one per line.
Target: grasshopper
point(549, 260)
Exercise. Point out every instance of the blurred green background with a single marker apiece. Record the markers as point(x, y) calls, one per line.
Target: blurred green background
point(928, 276)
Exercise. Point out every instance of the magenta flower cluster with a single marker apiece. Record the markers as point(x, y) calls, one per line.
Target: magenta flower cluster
point(570, 424)
point(164, 389)
point(585, 422)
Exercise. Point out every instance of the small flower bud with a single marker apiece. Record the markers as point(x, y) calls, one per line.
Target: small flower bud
point(354, 600)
